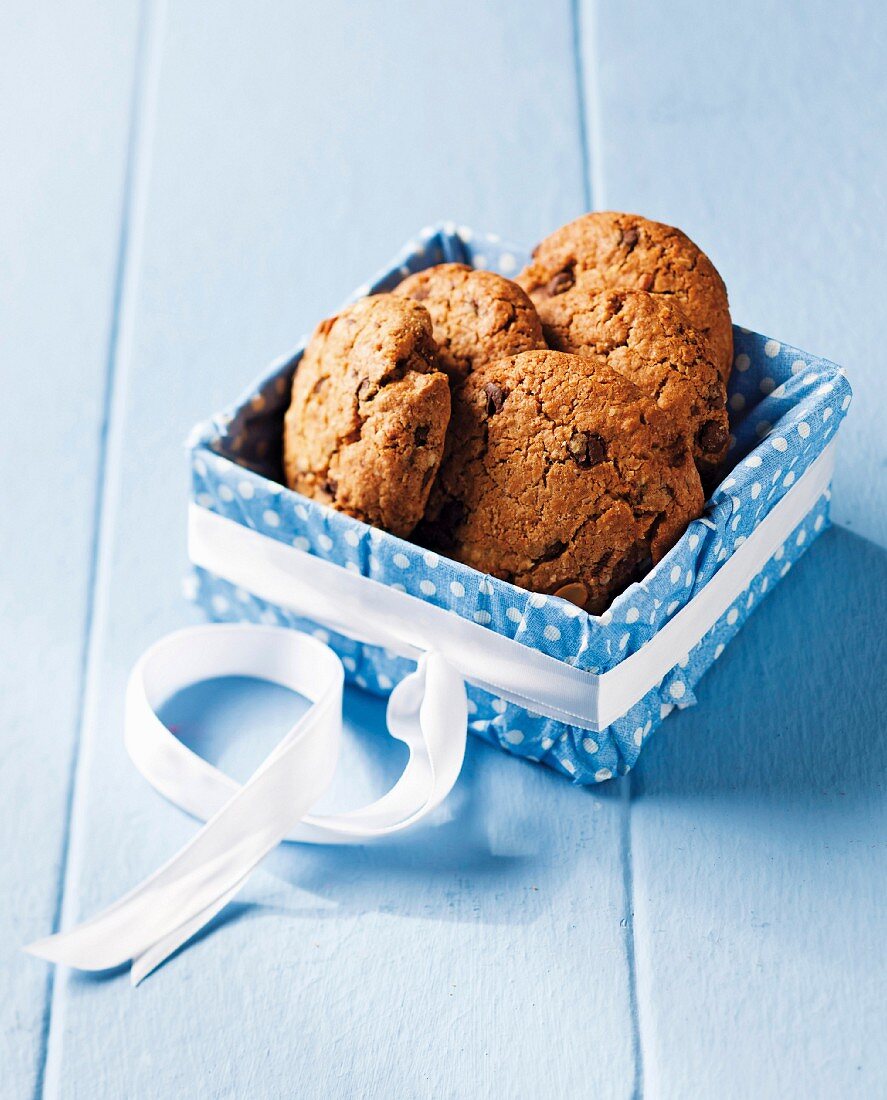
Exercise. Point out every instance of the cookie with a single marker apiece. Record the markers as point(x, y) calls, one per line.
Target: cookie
point(369, 412)
point(628, 252)
point(478, 316)
point(561, 477)
point(649, 340)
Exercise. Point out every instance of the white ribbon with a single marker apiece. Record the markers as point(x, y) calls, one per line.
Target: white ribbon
point(371, 612)
point(427, 711)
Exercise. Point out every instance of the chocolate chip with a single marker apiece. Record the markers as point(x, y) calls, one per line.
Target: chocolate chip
point(712, 437)
point(587, 449)
point(561, 282)
point(629, 238)
point(420, 435)
point(554, 550)
point(363, 389)
point(330, 486)
point(495, 398)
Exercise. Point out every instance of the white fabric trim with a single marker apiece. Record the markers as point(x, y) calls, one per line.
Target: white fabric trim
point(621, 687)
point(371, 612)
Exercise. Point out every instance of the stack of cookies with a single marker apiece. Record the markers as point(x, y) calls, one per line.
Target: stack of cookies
point(551, 431)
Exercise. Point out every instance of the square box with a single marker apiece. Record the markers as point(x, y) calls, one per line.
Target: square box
point(615, 676)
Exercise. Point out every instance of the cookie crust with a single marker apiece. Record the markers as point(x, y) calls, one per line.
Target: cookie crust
point(477, 316)
point(369, 412)
point(649, 340)
point(619, 251)
point(561, 477)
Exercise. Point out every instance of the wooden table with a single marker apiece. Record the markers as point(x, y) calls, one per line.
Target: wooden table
point(187, 187)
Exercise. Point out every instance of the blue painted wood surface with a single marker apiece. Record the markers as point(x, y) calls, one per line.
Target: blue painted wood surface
point(187, 191)
point(65, 96)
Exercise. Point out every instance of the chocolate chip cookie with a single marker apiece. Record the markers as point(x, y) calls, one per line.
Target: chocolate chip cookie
point(478, 316)
point(649, 340)
point(369, 412)
point(628, 252)
point(561, 477)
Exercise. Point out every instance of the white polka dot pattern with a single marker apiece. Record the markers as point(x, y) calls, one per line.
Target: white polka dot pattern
point(783, 405)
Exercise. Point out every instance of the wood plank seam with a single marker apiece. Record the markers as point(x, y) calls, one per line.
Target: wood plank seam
point(110, 386)
point(587, 40)
point(581, 111)
point(637, 1090)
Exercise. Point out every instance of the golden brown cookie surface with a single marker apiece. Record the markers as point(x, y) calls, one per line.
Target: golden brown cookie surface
point(627, 252)
point(369, 411)
point(478, 316)
point(561, 477)
point(649, 340)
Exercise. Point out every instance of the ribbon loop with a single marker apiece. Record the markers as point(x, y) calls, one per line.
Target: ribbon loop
point(427, 711)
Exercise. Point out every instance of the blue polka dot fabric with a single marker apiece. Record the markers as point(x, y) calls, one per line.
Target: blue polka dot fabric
point(785, 405)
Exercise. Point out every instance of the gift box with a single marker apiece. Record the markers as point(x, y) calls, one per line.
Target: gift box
point(546, 681)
